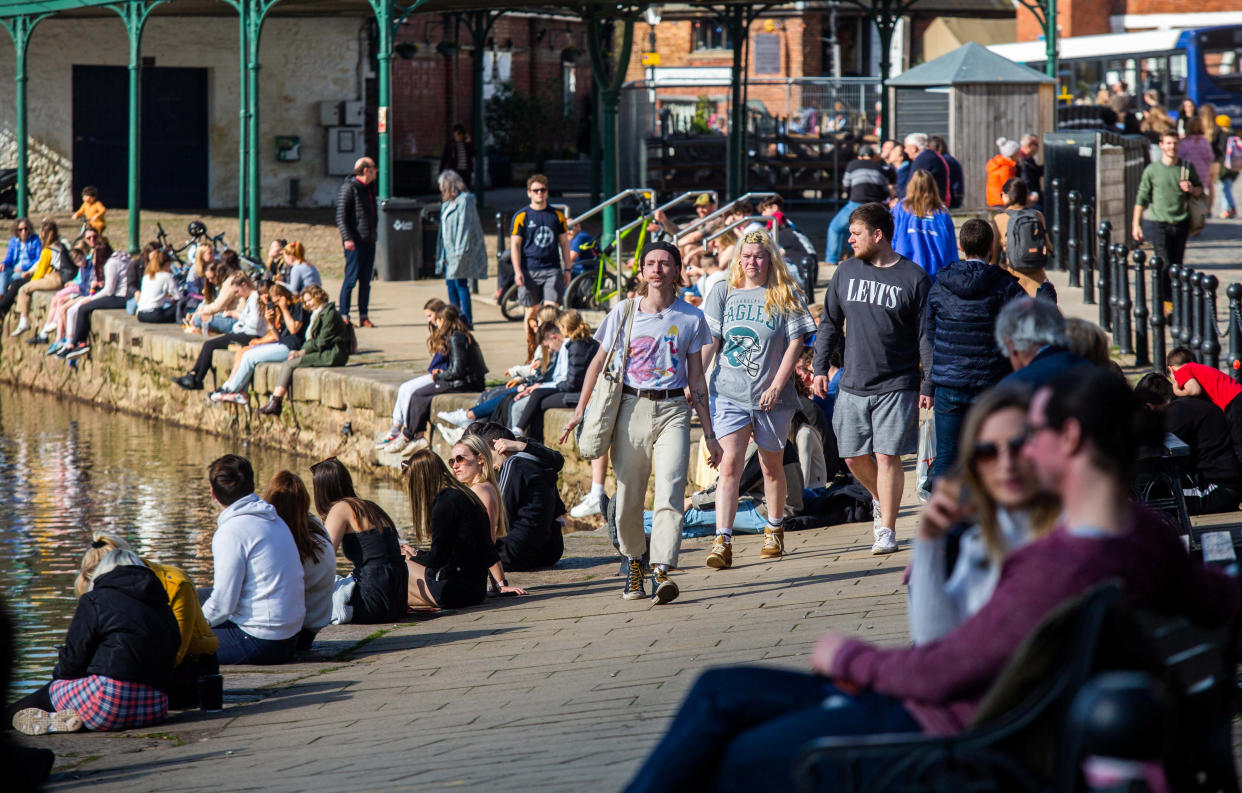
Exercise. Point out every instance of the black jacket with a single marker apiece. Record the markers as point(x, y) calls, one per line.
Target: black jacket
point(123, 629)
point(355, 211)
point(1031, 173)
point(461, 538)
point(464, 369)
point(961, 314)
point(581, 353)
point(533, 504)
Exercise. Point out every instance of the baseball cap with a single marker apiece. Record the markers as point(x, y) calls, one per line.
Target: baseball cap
point(703, 200)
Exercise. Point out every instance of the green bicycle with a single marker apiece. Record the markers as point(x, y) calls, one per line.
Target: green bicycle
point(594, 291)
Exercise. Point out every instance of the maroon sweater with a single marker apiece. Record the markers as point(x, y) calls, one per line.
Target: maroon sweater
point(942, 683)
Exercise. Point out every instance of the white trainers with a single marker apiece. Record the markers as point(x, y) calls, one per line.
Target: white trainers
point(33, 721)
point(23, 325)
point(885, 541)
point(413, 446)
point(457, 418)
point(589, 505)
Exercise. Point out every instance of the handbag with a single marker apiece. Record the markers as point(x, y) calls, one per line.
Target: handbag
point(600, 417)
point(927, 457)
point(1196, 205)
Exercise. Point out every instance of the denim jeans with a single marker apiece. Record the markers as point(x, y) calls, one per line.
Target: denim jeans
point(239, 647)
point(839, 232)
point(459, 296)
point(702, 522)
point(359, 267)
point(488, 406)
point(741, 728)
point(951, 407)
point(218, 322)
point(1226, 192)
point(264, 353)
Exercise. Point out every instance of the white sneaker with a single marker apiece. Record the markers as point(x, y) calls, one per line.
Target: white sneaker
point(875, 515)
point(457, 418)
point(451, 435)
point(23, 325)
point(885, 541)
point(413, 446)
point(589, 505)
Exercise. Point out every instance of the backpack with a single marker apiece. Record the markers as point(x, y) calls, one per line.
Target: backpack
point(1026, 240)
point(1233, 153)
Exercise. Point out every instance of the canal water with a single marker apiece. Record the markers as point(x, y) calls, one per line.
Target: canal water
point(67, 469)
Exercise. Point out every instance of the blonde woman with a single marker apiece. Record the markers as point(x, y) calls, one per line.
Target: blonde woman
point(471, 461)
point(301, 273)
point(758, 324)
point(922, 228)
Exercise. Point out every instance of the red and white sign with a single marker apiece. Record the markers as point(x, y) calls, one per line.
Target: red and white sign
point(383, 119)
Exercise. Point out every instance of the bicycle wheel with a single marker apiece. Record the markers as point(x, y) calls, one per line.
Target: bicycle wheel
point(581, 292)
point(509, 305)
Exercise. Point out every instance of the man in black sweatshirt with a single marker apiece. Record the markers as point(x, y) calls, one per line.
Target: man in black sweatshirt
point(879, 297)
point(527, 471)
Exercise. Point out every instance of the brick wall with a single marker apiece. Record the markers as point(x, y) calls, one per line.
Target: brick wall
point(1076, 18)
point(1178, 6)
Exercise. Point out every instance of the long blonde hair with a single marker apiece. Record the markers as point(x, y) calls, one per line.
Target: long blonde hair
point(483, 449)
point(784, 297)
point(426, 476)
point(922, 195)
point(101, 544)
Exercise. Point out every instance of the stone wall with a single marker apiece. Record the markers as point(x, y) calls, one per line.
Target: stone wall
point(303, 61)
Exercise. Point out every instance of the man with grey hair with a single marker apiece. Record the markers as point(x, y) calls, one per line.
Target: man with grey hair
point(1030, 171)
point(1030, 332)
point(924, 159)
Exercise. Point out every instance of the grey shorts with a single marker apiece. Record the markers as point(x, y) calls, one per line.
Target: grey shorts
point(881, 423)
point(769, 428)
point(541, 286)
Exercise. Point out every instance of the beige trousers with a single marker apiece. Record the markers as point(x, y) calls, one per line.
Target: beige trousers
point(651, 437)
point(48, 283)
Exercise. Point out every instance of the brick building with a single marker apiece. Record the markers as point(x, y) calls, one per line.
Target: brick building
point(1093, 17)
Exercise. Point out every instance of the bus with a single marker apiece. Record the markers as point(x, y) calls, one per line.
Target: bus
point(1202, 64)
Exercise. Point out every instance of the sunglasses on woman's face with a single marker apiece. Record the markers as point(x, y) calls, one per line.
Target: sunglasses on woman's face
point(459, 458)
point(988, 452)
point(23, 228)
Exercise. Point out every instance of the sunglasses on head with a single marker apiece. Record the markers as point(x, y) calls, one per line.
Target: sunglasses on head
point(988, 452)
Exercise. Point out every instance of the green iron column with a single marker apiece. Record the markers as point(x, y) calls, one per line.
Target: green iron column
point(384, 27)
point(243, 128)
point(739, 29)
point(1051, 34)
point(609, 81)
point(134, 14)
point(885, 14)
point(20, 28)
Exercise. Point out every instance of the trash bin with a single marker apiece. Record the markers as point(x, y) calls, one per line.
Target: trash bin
point(399, 253)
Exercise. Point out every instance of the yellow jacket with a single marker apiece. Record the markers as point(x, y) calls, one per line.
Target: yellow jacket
point(196, 636)
point(43, 266)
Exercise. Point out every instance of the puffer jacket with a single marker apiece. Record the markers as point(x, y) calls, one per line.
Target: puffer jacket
point(1000, 170)
point(355, 211)
point(124, 629)
point(197, 638)
point(465, 368)
point(961, 314)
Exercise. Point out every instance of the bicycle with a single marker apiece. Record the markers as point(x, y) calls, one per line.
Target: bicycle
point(594, 290)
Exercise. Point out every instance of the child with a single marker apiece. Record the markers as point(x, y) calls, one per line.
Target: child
point(773, 207)
point(1195, 379)
point(583, 250)
point(92, 209)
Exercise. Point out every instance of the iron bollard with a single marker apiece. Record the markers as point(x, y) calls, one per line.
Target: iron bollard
point(1058, 242)
point(1103, 238)
point(1103, 274)
point(1157, 313)
point(1116, 252)
point(1183, 329)
point(1210, 345)
point(1086, 245)
point(1196, 315)
point(1071, 231)
point(1234, 293)
point(1141, 356)
point(1122, 331)
point(1174, 296)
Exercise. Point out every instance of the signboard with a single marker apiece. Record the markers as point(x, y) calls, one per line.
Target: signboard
point(767, 53)
point(651, 59)
point(383, 118)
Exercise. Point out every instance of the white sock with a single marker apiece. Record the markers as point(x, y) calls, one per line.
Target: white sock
point(597, 489)
point(774, 524)
point(726, 533)
point(663, 568)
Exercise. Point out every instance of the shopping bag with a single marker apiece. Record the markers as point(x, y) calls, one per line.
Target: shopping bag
point(600, 417)
point(927, 457)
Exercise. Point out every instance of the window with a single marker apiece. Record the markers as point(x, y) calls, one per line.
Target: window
point(710, 35)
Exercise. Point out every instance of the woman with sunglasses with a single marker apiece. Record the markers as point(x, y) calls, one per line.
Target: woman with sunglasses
point(472, 463)
point(997, 491)
point(22, 254)
point(366, 535)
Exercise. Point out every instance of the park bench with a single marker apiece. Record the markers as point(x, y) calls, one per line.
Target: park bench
point(1027, 734)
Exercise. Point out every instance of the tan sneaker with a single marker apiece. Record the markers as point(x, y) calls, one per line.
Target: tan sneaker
point(720, 557)
point(33, 721)
point(773, 543)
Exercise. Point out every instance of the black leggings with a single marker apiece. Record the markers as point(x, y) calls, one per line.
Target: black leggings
point(82, 327)
point(162, 314)
point(530, 422)
point(419, 407)
point(209, 348)
point(10, 294)
point(41, 698)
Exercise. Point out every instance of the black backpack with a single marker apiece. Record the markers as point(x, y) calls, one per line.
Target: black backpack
point(1026, 240)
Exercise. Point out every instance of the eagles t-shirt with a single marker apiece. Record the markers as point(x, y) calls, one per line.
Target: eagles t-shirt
point(540, 230)
point(659, 343)
point(752, 344)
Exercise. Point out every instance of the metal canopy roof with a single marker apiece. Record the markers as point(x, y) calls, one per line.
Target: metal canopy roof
point(969, 63)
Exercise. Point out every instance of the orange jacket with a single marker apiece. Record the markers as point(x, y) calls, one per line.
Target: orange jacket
point(1000, 170)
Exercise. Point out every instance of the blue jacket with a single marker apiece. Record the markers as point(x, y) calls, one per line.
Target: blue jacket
point(13, 256)
point(1046, 366)
point(929, 242)
point(961, 314)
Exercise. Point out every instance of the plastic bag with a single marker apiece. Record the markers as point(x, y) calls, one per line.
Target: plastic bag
point(927, 457)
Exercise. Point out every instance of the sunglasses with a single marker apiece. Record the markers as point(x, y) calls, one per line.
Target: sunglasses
point(23, 228)
point(459, 458)
point(539, 189)
point(989, 452)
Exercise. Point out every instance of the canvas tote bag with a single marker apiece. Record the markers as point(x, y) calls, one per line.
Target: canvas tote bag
point(600, 417)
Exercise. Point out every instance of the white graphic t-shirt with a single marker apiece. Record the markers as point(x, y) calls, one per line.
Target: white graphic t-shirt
point(659, 343)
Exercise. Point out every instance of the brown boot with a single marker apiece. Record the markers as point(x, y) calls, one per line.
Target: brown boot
point(272, 408)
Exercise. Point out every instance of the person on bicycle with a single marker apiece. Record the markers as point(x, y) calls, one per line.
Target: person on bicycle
point(539, 247)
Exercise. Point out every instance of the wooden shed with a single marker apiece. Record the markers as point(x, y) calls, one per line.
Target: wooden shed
point(972, 96)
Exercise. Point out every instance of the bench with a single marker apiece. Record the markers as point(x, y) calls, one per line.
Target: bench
point(1158, 483)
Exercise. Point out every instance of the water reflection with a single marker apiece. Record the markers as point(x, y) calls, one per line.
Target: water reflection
point(67, 469)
